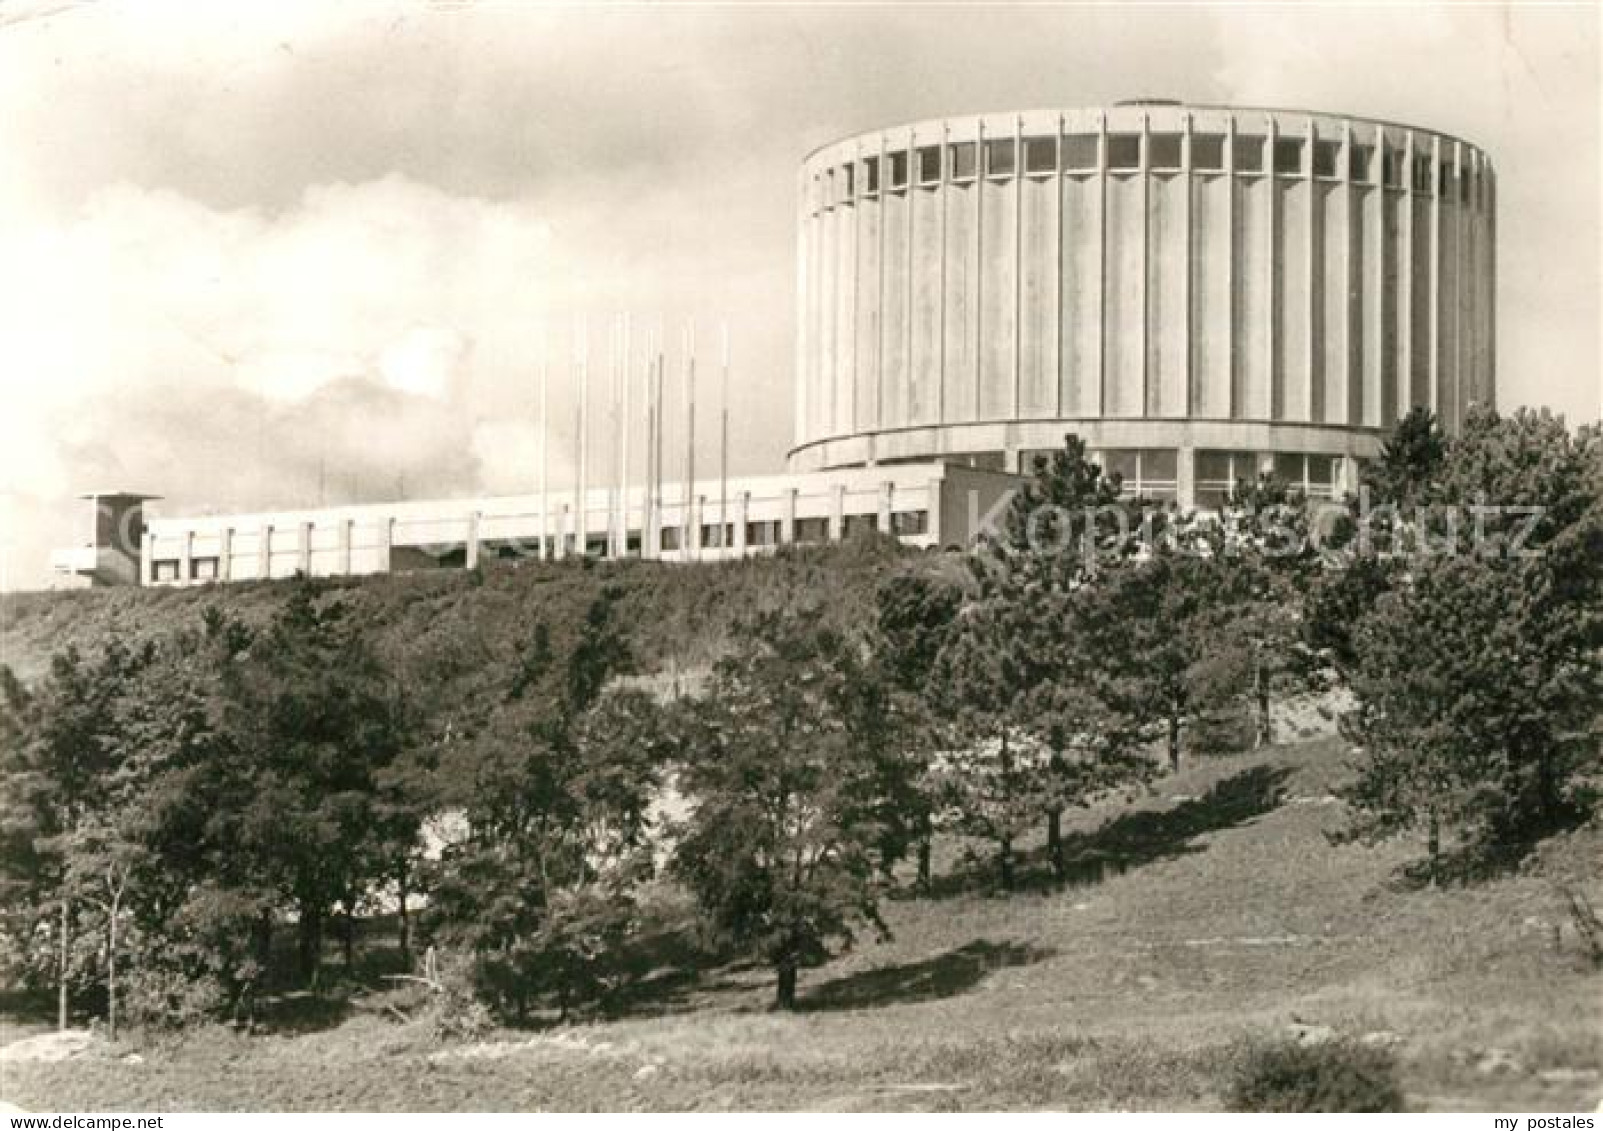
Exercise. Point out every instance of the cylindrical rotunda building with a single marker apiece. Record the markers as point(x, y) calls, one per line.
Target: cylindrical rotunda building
point(1200, 292)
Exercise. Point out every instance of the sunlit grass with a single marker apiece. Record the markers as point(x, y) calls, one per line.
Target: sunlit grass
point(1230, 921)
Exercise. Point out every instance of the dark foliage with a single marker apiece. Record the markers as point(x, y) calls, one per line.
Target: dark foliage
point(1333, 1077)
point(784, 760)
point(1479, 671)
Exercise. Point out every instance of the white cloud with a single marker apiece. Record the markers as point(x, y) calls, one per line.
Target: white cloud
point(207, 329)
point(508, 453)
point(146, 289)
point(424, 360)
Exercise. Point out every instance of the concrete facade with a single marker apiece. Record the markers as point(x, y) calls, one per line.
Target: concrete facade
point(930, 505)
point(1179, 285)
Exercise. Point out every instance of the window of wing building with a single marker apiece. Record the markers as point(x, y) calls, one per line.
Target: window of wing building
point(1313, 475)
point(908, 524)
point(1218, 474)
point(1143, 472)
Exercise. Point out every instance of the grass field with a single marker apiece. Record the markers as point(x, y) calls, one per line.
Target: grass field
point(1222, 915)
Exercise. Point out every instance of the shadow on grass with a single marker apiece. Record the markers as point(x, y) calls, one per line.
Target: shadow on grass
point(302, 1011)
point(1497, 853)
point(1132, 840)
point(1144, 836)
point(946, 975)
point(26, 1006)
point(669, 972)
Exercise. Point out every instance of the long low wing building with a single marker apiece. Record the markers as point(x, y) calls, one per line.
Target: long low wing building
point(1201, 293)
point(931, 505)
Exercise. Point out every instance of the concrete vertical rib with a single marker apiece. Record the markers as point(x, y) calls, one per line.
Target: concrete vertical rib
point(1232, 300)
point(804, 287)
point(1018, 260)
point(1144, 352)
point(1102, 265)
point(1188, 280)
point(1352, 373)
point(979, 268)
point(1405, 321)
point(1435, 274)
point(884, 183)
point(1313, 284)
point(1273, 373)
point(1057, 276)
point(909, 299)
point(1382, 408)
point(940, 300)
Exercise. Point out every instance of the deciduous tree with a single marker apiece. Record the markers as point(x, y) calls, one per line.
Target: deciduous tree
point(782, 845)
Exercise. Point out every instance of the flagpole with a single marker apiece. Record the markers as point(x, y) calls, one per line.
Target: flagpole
point(724, 540)
point(623, 440)
point(688, 518)
point(546, 548)
point(659, 383)
point(580, 487)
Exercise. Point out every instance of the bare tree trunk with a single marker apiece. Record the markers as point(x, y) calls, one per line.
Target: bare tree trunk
point(404, 923)
point(1005, 841)
point(264, 940)
point(1265, 735)
point(348, 932)
point(111, 968)
point(310, 944)
point(1547, 794)
point(1054, 844)
point(785, 990)
point(1434, 847)
point(61, 991)
point(1174, 739)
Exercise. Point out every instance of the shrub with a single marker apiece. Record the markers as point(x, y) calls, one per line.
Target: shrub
point(455, 1014)
point(455, 1010)
point(158, 997)
point(1225, 730)
point(1338, 1076)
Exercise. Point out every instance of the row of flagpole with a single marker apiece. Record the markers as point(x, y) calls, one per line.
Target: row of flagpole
point(620, 384)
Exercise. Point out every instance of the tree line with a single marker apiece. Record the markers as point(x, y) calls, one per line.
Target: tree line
point(173, 807)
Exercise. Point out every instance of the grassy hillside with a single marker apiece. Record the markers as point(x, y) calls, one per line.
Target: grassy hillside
point(1221, 915)
point(444, 622)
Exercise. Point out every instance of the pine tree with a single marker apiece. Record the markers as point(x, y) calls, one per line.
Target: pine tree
point(1410, 461)
point(1278, 548)
point(990, 776)
point(1025, 692)
point(915, 617)
point(1478, 674)
point(1164, 625)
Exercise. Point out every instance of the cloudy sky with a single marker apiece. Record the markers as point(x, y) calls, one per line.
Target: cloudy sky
point(262, 254)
